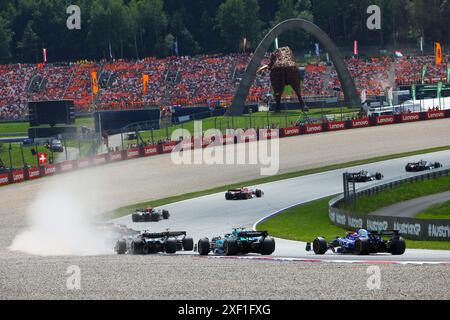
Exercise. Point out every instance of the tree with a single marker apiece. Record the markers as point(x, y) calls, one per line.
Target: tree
point(237, 19)
point(29, 44)
point(5, 39)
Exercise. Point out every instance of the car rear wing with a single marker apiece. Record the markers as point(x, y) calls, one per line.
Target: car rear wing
point(253, 234)
point(386, 233)
point(168, 234)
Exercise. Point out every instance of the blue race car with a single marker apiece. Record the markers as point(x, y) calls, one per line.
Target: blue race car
point(239, 241)
point(361, 242)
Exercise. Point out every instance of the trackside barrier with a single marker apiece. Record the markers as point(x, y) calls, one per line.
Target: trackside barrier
point(250, 135)
point(411, 228)
point(4, 179)
point(17, 176)
point(65, 166)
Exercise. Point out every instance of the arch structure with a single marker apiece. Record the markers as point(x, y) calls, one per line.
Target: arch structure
point(349, 88)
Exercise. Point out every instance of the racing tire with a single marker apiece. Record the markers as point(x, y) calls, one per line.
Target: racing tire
point(397, 247)
point(171, 245)
point(155, 217)
point(135, 217)
point(362, 247)
point(188, 244)
point(437, 165)
point(203, 247)
point(268, 246)
point(243, 196)
point(228, 196)
point(378, 176)
point(230, 247)
point(121, 247)
point(136, 247)
point(320, 246)
point(258, 193)
point(165, 214)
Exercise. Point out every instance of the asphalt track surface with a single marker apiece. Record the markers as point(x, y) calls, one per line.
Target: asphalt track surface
point(108, 276)
point(411, 208)
point(212, 215)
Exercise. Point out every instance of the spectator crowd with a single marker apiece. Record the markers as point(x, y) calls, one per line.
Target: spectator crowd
point(186, 81)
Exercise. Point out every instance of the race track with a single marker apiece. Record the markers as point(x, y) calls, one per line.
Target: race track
point(54, 206)
point(212, 215)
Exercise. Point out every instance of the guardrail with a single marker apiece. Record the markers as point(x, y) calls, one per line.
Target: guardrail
point(412, 228)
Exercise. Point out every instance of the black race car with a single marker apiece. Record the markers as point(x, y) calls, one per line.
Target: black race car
point(364, 176)
point(147, 243)
point(239, 241)
point(422, 166)
point(150, 215)
point(361, 242)
point(243, 194)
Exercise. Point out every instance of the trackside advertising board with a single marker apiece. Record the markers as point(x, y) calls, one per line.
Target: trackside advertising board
point(115, 156)
point(150, 151)
point(83, 163)
point(247, 136)
point(435, 115)
point(336, 125)
point(410, 117)
point(49, 170)
point(168, 147)
point(265, 134)
point(290, 132)
point(18, 176)
point(360, 123)
point(34, 173)
point(65, 166)
point(228, 139)
point(385, 120)
point(133, 153)
point(4, 179)
point(313, 128)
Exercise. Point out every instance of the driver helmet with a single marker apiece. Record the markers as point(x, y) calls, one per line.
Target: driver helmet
point(363, 233)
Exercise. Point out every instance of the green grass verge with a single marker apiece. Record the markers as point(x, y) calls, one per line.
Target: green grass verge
point(405, 192)
point(15, 127)
point(308, 221)
point(156, 203)
point(439, 211)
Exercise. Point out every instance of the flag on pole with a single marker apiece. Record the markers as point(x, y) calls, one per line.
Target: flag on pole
point(175, 47)
point(110, 50)
point(245, 44)
point(42, 158)
point(145, 84)
point(439, 90)
point(448, 72)
point(44, 54)
point(413, 92)
point(276, 43)
point(421, 44)
point(94, 82)
point(355, 48)
point(424, 72)
point(438, 53)
point(317, 50)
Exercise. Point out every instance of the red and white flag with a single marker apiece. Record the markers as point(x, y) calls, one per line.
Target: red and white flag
point(42, 157)
point(355, 48)
point(44, 54)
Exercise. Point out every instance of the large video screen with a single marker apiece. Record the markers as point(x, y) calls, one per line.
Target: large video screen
point(51, 112)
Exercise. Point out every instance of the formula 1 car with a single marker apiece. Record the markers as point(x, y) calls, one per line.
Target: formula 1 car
point(239, 241)
point(150, 215)
point(147, 243)
point(422, 166)
point(243, 194)
point(361, 242)
point(364, 176)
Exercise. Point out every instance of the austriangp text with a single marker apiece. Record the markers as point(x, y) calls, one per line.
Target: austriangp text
point(225, 310)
